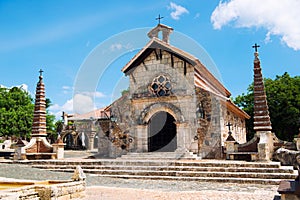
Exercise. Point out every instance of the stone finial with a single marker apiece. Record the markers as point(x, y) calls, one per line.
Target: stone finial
point(20, 143)
point(230, 138)
point(78, 174)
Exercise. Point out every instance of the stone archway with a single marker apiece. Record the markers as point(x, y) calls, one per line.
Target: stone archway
point(82, 141)
point(162, 133)
point(68, 139)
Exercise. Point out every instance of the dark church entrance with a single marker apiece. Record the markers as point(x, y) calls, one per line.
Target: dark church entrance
point(162, 133)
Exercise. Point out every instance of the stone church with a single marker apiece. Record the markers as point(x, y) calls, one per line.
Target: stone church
point(174, 104)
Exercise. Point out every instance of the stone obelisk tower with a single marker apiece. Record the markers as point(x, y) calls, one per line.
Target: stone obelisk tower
point(39, 116)
point(262, 123)
point(39, 147)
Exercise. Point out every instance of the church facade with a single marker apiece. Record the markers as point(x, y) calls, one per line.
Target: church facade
point(174, 104)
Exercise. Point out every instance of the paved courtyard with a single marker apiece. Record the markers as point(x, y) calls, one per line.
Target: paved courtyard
point(112, 189)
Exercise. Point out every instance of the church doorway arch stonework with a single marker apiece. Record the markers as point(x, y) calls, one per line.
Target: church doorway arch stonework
point(162, 134)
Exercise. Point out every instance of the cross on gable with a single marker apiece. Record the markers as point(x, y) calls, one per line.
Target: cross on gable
point(159, 18)
point(255, 47)
point(41, 72)
point(229, 125)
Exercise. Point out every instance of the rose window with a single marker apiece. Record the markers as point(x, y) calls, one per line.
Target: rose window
point(161, 86)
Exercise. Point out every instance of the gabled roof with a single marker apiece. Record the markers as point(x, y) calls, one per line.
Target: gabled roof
point(234, 108)
point(203, 77)
point(101, 113)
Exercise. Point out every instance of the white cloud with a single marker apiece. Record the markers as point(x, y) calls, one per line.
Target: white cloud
point(80, 103)
point(66, 87)
point(94, 94)
point(83, 103)
point(57, 109)
point(279, 18)
point(177, 10)
point(22, 86)
point(115, 47)
point(119, 46)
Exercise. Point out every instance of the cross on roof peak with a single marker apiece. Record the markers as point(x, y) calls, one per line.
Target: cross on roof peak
point(255, 47)
point(159, 18)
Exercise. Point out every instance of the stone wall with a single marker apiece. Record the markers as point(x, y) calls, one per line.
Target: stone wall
point(208, 118)
point(238, 127)
point(180, 102)
point(52, 190)
point(182, 78)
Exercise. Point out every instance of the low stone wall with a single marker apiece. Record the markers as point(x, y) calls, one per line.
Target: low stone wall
point(46, 190)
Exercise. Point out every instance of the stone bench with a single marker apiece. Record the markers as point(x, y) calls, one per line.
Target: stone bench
point(231, 155)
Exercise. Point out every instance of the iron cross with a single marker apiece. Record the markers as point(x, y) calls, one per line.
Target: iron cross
point(255, 47)
point(229, 125)
point(41, 72)
point(159, 18)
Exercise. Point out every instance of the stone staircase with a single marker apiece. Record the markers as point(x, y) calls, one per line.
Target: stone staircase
point(159, 156)
point(185, 170)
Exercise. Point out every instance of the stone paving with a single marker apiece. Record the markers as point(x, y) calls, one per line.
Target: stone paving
point(110, 188)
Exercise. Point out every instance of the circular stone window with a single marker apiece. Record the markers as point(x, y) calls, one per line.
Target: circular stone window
point(161, 86)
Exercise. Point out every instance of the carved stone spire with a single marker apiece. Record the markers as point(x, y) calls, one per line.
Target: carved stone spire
point(39, 116)
point(261, 111)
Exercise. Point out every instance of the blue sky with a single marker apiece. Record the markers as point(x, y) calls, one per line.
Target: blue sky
point(59, 36)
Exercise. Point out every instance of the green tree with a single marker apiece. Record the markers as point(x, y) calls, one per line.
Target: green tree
point(50, 122)
point(16, 112)
point(283, 96)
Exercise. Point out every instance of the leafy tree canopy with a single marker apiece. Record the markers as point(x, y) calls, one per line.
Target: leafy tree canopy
point(16, 113)
point(283, 97)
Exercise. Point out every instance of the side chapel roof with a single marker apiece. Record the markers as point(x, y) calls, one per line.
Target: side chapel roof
point(101, 113)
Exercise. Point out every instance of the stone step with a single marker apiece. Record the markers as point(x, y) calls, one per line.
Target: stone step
point(200, 179)
point(288, 170)
point(188, 163)
point(241, 175)
point(198, 170)
point(155, 158)
point(159, 155)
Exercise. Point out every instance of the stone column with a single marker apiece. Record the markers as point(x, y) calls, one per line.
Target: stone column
point(58, 148)
point(91, 141)
point(141, 138)
point(183, 137)
point(265, 145)
point(20, 153)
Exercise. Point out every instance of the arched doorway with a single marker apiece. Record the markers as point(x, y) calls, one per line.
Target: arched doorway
point(82, 141)
point(162, 133)
point(69, 141)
